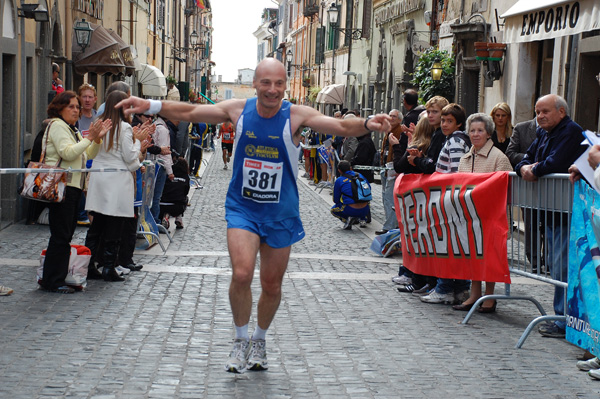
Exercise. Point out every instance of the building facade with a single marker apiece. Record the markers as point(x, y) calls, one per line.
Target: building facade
point(127, 35)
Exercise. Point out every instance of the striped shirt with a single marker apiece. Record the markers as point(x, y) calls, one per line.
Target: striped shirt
point(456, 145)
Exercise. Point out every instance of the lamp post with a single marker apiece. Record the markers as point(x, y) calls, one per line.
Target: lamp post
point(38, 12)
point(83, 33)
point(436, 71)
point(356, 34)
point(288, 58)
point(333, 13)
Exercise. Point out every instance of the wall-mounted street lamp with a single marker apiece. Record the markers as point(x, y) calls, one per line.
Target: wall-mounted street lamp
point(436, 71)
point(38, 12)
point(83, 33)
point(289, 58)
point(195, 38)
point(334, 12)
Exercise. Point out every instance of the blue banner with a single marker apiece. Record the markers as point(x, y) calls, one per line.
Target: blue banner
point(583, 295)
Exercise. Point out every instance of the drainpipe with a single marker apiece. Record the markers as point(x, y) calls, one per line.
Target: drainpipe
point(23, 107)
point(68, 44)
point(349, 58)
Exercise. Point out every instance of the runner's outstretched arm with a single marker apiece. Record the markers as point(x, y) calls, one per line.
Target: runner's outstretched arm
point(307, 116)
point(229, 110)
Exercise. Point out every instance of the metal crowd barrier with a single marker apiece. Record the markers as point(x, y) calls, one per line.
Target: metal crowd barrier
point(146, 225)
point(148, 189)
point(534, 208)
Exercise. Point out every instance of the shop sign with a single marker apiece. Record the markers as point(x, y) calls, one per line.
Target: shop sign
point(397, 9)
point(93, 8)
point(401, 26)
point(540, 23)
point(551, 19)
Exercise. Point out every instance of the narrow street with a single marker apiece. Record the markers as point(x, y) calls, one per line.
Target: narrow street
point(342, 331)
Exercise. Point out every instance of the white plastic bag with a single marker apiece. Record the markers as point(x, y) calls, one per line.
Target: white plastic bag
point(78, 266)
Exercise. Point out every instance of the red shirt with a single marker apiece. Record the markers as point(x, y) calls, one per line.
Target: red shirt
point(227, 133)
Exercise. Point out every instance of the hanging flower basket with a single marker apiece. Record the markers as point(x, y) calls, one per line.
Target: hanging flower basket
point(481, 51)
point(496, 51)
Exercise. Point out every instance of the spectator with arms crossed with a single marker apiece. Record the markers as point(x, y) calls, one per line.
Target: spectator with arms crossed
point(553, 151)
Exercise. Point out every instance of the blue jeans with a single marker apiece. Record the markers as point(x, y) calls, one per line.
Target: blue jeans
point(449, 286)
point(159, 184)
point(81, 212)
point(387, 194)
point(557, 237)
point(343, 212)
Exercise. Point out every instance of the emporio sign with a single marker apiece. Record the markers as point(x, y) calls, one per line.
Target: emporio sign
point(551, 19)
point(530, 20)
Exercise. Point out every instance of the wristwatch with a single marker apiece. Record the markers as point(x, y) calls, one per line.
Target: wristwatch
point(367, 121)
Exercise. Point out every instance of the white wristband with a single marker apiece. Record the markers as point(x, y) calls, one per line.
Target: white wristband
point(155, 107)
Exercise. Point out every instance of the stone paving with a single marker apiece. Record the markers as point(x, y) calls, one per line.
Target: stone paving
point(342, 330)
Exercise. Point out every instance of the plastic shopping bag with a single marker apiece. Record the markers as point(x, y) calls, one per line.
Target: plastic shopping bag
point(78, 266)
point(387, 244)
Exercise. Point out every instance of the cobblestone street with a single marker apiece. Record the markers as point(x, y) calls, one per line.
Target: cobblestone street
point(342, 330)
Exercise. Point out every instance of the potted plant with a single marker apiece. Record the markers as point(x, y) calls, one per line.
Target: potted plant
point(496, 51)
point(306, 81)
point(171, 80)
point(481, 51)
point(422, 77)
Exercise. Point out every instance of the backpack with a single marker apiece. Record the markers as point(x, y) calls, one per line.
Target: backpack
point(361, 189)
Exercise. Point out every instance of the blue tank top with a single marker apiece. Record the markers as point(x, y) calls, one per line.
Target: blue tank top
point(265, 167)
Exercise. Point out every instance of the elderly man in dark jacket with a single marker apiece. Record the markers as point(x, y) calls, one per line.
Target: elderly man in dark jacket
point(523, 136)
point(553, 151)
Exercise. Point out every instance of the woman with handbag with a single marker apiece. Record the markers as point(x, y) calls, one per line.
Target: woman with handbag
point(64, 145)
point(111, 194)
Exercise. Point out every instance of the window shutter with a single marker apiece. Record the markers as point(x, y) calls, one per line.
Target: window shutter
point(366, 18)
point(320, 45)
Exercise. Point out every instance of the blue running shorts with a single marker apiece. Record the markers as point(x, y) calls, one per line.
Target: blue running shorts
point(280, 234)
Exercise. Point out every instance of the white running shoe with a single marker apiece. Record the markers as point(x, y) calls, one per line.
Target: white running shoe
point(595, 374)
point(5, 290)
point(122, 270)
point(238, 358)
point(587, 365)
point(257, 356)
point(436, 297)
point(401, 280)
point(225, 167)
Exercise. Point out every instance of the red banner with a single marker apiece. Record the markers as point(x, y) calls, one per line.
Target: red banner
point(454, 225)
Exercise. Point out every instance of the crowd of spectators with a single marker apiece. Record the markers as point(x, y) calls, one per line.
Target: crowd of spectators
point(108, 202)
point(445, 141)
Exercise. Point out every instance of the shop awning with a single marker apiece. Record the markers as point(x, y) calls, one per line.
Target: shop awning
point(101, 56)
point(126, 53)
point(332, 94)
point(531, 20)
point(152, 80)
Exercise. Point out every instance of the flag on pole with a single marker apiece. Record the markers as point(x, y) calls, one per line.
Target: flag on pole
point(200, 4)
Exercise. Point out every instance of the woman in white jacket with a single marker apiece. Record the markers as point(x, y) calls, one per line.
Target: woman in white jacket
point(110, 194)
